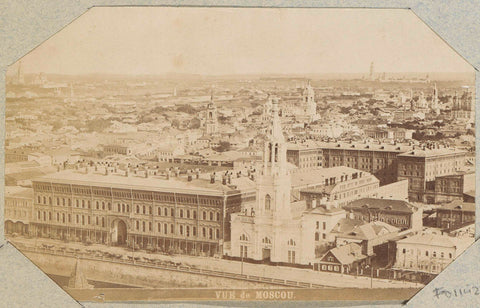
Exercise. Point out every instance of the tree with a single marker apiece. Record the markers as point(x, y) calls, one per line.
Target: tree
point(223, 146)
point(175, 123)
point(195, 123)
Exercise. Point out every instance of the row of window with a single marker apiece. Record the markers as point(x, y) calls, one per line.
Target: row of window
point(427, 253)
point(125, 208)
point(63, 218)
point(185, 230)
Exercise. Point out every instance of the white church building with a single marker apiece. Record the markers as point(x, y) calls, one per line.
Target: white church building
point(276, 229)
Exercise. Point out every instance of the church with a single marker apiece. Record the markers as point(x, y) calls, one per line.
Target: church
point(275, 229)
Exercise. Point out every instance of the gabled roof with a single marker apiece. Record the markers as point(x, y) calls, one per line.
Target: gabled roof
point(347, 254)
point(382, 204)
point(459, 205)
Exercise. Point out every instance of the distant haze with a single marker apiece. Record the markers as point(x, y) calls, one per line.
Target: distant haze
point(234, 41)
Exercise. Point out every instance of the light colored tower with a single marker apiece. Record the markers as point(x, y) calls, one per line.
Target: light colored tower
point(310, 107)
point(211, 124)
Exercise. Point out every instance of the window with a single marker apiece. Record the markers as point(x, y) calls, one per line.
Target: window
point(324, 236)
point(149, 226)
point(166, 212)
point(172, 212)
point(218, 216)
point(77, 219)
point(434, 254)
point(123, 207)
point(143, 226)
point(165, 228)
point(137, 225)
point(194, 214)
point(243, 237)
point(171, 228)
point(404, 250)
point(103, 222)
point(204, 233)
point(194, 231)
point(44, 200)
point(317, 236)
point(181, 213)
point(243, 251)
point(138, 209)
point(150, 210)
point(426, 253)
point(324, 224)
point(204, 215)
point(211, 215)
point(291, 242)
point(268, 200)
point(210, 233)
point(291, 256)
point(159, 211)
point(144, 209)
point(318, 225)
point(188, 213)
point(217, 234)
point(187, 231)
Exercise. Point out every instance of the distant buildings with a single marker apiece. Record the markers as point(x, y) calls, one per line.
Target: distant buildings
point(304, 157)
point(463, 107)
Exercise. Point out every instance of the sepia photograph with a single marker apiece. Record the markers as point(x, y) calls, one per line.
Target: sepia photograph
point(189, 153)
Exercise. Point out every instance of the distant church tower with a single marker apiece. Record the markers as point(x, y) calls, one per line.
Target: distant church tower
point(211, 124)
point(309, 101)
point(435, 105)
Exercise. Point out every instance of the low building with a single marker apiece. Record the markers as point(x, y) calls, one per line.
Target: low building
point(398, 213)
point(343, 259)
point(455, 214)
point(428, 253)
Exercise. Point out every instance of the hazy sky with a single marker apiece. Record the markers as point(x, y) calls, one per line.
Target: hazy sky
point(152, 40)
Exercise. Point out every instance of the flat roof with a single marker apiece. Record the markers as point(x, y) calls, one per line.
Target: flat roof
point(152, 183)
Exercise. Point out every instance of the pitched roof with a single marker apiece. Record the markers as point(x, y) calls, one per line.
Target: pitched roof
point(382, 204)
point(430, 240)
point(459, 205)
point(348, 254)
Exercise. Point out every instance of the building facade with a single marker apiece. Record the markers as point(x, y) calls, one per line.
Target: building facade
point(378, 159)
point(18, 209)
point(184, 215)
point(422, 166)
point(304, 157)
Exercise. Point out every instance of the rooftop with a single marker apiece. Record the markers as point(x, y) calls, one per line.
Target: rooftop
point(382, 204)
point(459, 205)
point(152, 183)
point(398, 148)
point(432, 152)
point(318, 176)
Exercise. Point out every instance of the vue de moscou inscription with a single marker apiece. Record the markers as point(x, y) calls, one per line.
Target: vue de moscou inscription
point(273, 295)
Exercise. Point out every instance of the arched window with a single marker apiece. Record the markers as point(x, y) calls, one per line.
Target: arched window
point(137, 224)
point(188, 230)
point(211, 215)
point(39, 199)
point(89, 204)
point(218, 216)
point(103, 222)
point(63, 201)
point(103, 205)
point(194, 214)
point(150, 210)
point(58, 201)
point(165, 212)
point(291, 242)
point(217, 234)
point(188, 213)
point(172, 212)
point(243, 237)
point(181, 213)
point(144, 209)
point(63, 217)
point(97, 206)
point(268, 200)
point(266, 240)
point(143, 226)
point(204, 215)
point(123, 207)
point(159, 211)
point(44, 200)
point(128, 208)
point(50, 200)
point(109, 206)
point(138, 209)
point(83, 203)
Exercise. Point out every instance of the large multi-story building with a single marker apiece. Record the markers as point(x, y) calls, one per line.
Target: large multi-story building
point(186, 214)
point(378, 159)
point(422, 166)
point(304, 157)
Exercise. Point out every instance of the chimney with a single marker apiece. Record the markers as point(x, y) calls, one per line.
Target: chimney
point(229, 178)
point(189, 175)
point(212, 178)
point(106, 170)
point(224, 179)
point(314, 203)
